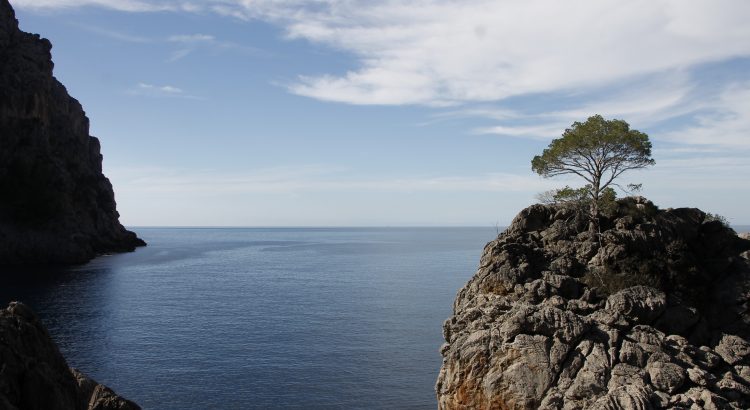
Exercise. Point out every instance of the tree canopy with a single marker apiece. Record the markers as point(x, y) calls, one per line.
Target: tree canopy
point(598, 151)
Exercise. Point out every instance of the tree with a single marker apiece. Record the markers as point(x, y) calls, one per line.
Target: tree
point(598, 151)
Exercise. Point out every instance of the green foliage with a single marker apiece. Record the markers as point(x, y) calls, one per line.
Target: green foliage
point(565, 195)
point(581, 198)
point(569, 194)
point(716, 217)
point(607, 202)
point(598, 151)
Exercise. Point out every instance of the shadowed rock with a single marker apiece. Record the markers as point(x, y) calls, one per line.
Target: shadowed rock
point(35, 376)
point(56, 206)
point(651, 313)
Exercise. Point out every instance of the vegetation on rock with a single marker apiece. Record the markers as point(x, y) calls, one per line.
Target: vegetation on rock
point(597, 150)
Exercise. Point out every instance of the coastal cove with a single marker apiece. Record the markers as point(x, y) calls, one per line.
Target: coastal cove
point(259, 317)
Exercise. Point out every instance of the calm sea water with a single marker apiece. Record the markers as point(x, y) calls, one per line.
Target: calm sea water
point(261, 318)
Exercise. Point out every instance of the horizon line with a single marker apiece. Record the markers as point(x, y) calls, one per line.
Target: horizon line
point(503, 226)
point(308, 226)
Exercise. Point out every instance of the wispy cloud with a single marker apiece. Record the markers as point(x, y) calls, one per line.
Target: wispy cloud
point(316, 179)
point(166, 89)
point(540, 132)
point(151, 90)
point(727, 126)
point(191, 38)
point(179, 54)
point(192, 42)
point(122, 5)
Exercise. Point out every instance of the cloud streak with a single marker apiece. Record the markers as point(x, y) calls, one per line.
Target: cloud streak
point(160, 91)
point(121, 5)
point(314, 179)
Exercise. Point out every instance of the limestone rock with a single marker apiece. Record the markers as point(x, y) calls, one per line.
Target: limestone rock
point(57, 206)
point(35, 376)
point(667, 377)
point(733, 349)
point(650, 314)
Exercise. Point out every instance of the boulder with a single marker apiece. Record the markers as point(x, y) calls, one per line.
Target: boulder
point(35, 376)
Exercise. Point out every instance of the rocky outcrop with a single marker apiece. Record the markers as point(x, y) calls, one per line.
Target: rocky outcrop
point(57, 206)
point(745, 235)
point(651, 313)
point(34, 375)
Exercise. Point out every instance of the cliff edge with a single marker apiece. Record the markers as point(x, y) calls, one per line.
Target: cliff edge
point(34, 375)
point(56, 206)
point(652, 313)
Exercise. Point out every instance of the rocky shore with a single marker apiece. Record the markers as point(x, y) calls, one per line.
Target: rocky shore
point(57, 207)
point(652, 313)
point(35, 376)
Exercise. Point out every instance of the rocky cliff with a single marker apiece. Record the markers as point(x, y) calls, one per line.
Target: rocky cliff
point(651, 313)
point(35, 376)
point(56, 206)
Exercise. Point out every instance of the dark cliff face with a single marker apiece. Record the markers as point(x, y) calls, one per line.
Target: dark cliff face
point(56, 206)
point(651, 313)
point(35, 376)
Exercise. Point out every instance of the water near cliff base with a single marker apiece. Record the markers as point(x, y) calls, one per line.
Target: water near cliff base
point(261, 318)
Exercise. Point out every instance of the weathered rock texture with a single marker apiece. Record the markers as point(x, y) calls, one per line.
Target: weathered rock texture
point(34, 375)
point(56, 206)
point(652, 314)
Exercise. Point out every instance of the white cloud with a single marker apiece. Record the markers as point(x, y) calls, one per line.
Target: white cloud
point(160, 91)
point(167, 89)
point(191, 38)
point(442, 52)
point(480, 52)
point(540, 132)
point(122, 5)
point(727, 127)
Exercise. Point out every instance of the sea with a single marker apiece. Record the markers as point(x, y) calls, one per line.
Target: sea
point(243, 318)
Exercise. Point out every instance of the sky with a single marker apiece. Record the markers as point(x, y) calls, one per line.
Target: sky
point(394, 113)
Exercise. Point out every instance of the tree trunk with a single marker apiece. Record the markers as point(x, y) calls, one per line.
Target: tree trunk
point(594, 217)
point(594, 208)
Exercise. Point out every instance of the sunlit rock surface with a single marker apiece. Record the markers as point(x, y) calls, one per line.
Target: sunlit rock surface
point(651, 314)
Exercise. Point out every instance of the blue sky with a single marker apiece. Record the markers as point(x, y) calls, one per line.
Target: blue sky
point(389, 113)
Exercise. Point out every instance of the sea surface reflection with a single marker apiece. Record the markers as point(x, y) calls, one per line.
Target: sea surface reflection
point(260, 318)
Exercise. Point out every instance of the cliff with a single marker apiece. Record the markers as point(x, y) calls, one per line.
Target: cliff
point(653, 313)
point(56, 206)
point(34, 375)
